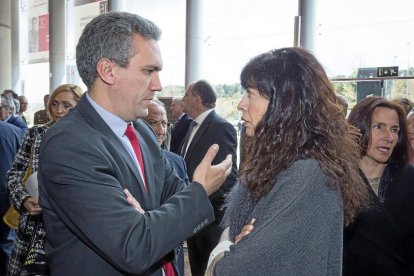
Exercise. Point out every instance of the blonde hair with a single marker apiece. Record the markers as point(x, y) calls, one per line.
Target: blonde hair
point(76, 91)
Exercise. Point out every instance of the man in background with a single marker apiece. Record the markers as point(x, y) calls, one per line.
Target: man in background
point(157, 119)
point(10, 136)
point(182, 123)
point(41, 117)
point(7, 110)
point(207, 128)
point(23, 107)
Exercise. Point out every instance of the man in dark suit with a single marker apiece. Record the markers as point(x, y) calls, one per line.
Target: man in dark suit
point(157, 119)
point(7, 113)
point(100, 150)
point(182, 123)
point(10, 136)
point(210, 128)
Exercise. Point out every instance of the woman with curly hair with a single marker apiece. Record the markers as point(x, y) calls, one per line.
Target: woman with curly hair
point(300, 182)
point(28, 255)
point(381, 239)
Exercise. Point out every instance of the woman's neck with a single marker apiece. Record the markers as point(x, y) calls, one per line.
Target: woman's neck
point(371, 168)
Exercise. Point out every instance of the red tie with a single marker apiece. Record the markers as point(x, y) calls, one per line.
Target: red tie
point(133, 139)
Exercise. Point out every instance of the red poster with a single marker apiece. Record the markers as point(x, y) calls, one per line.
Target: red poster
point(44, 33)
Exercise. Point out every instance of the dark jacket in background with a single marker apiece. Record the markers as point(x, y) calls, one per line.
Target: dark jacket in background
point(178, 132)
point(380, 240)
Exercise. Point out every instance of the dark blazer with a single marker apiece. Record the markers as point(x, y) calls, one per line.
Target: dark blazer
point(213, 130)
point(380, 240)
point(178, 164)
point(178, 133)
point(399, 202)
point(18, 121)
point(90, 227)
point(10, 136)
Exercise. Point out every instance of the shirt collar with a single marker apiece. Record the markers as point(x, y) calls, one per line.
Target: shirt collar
point(200, 118)
point(117, 124)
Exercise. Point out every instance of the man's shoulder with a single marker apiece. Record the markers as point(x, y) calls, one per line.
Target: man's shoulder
point(9, 130)
point(216, 118)
point(186, 117)
point(172, 156)
point(72, 127)
point(40, 112)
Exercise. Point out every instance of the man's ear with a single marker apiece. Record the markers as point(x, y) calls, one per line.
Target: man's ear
point(198, 99)
point(105, 69)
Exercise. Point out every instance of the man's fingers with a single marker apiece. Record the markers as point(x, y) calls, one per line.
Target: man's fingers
point(211, 153)
point(131, 200)
point(226, 164)
point(127, 193)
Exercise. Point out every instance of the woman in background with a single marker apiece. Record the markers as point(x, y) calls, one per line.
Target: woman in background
point(381, 241)
point(410, 130)
point(28, 255)
point(300, 181)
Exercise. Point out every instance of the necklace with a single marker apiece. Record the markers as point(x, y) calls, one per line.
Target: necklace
point(375, 160)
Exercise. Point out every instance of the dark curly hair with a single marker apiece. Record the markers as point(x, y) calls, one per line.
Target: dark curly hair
point(304, 119)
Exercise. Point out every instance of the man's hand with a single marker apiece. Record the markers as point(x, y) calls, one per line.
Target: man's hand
point(32, 206)
point(212, 177)
point(131, 200)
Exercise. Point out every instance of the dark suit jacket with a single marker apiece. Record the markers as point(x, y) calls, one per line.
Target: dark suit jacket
point(178, 133)
point(178, 164)
point(18, 121)
point(214, 130)
point(399, 202)
point(10, 137)
point(90, 227)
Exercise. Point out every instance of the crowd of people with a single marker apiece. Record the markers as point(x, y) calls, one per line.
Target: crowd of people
point(104, 184)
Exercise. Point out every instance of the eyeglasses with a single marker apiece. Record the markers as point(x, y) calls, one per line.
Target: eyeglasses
point(157, 123)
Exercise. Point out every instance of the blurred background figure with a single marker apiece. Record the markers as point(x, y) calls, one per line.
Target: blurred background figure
point(10, 136)
point(381, 241)
point(33, 36)
point(206, 129)
point(157, 119)
point(30, 235)
point(181, 125)
point(344, 104)
point(41, 116)
point(10, 93)
point(7, 110)
point(410, 130)
point(405, 103)
point(23, 107)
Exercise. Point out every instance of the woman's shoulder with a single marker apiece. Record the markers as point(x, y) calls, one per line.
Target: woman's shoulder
point(303, 168)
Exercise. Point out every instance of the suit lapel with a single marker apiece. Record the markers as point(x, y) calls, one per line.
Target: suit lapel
point(200, 132)
point(96, 121)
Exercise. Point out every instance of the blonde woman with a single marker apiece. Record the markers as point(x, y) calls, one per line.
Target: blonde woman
point(28, 256)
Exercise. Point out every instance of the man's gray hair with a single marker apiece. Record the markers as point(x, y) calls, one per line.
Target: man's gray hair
point(8, 102)
point(110, 35)
point(159, 104)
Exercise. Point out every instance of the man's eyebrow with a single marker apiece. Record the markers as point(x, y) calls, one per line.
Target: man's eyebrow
point(153, 67)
